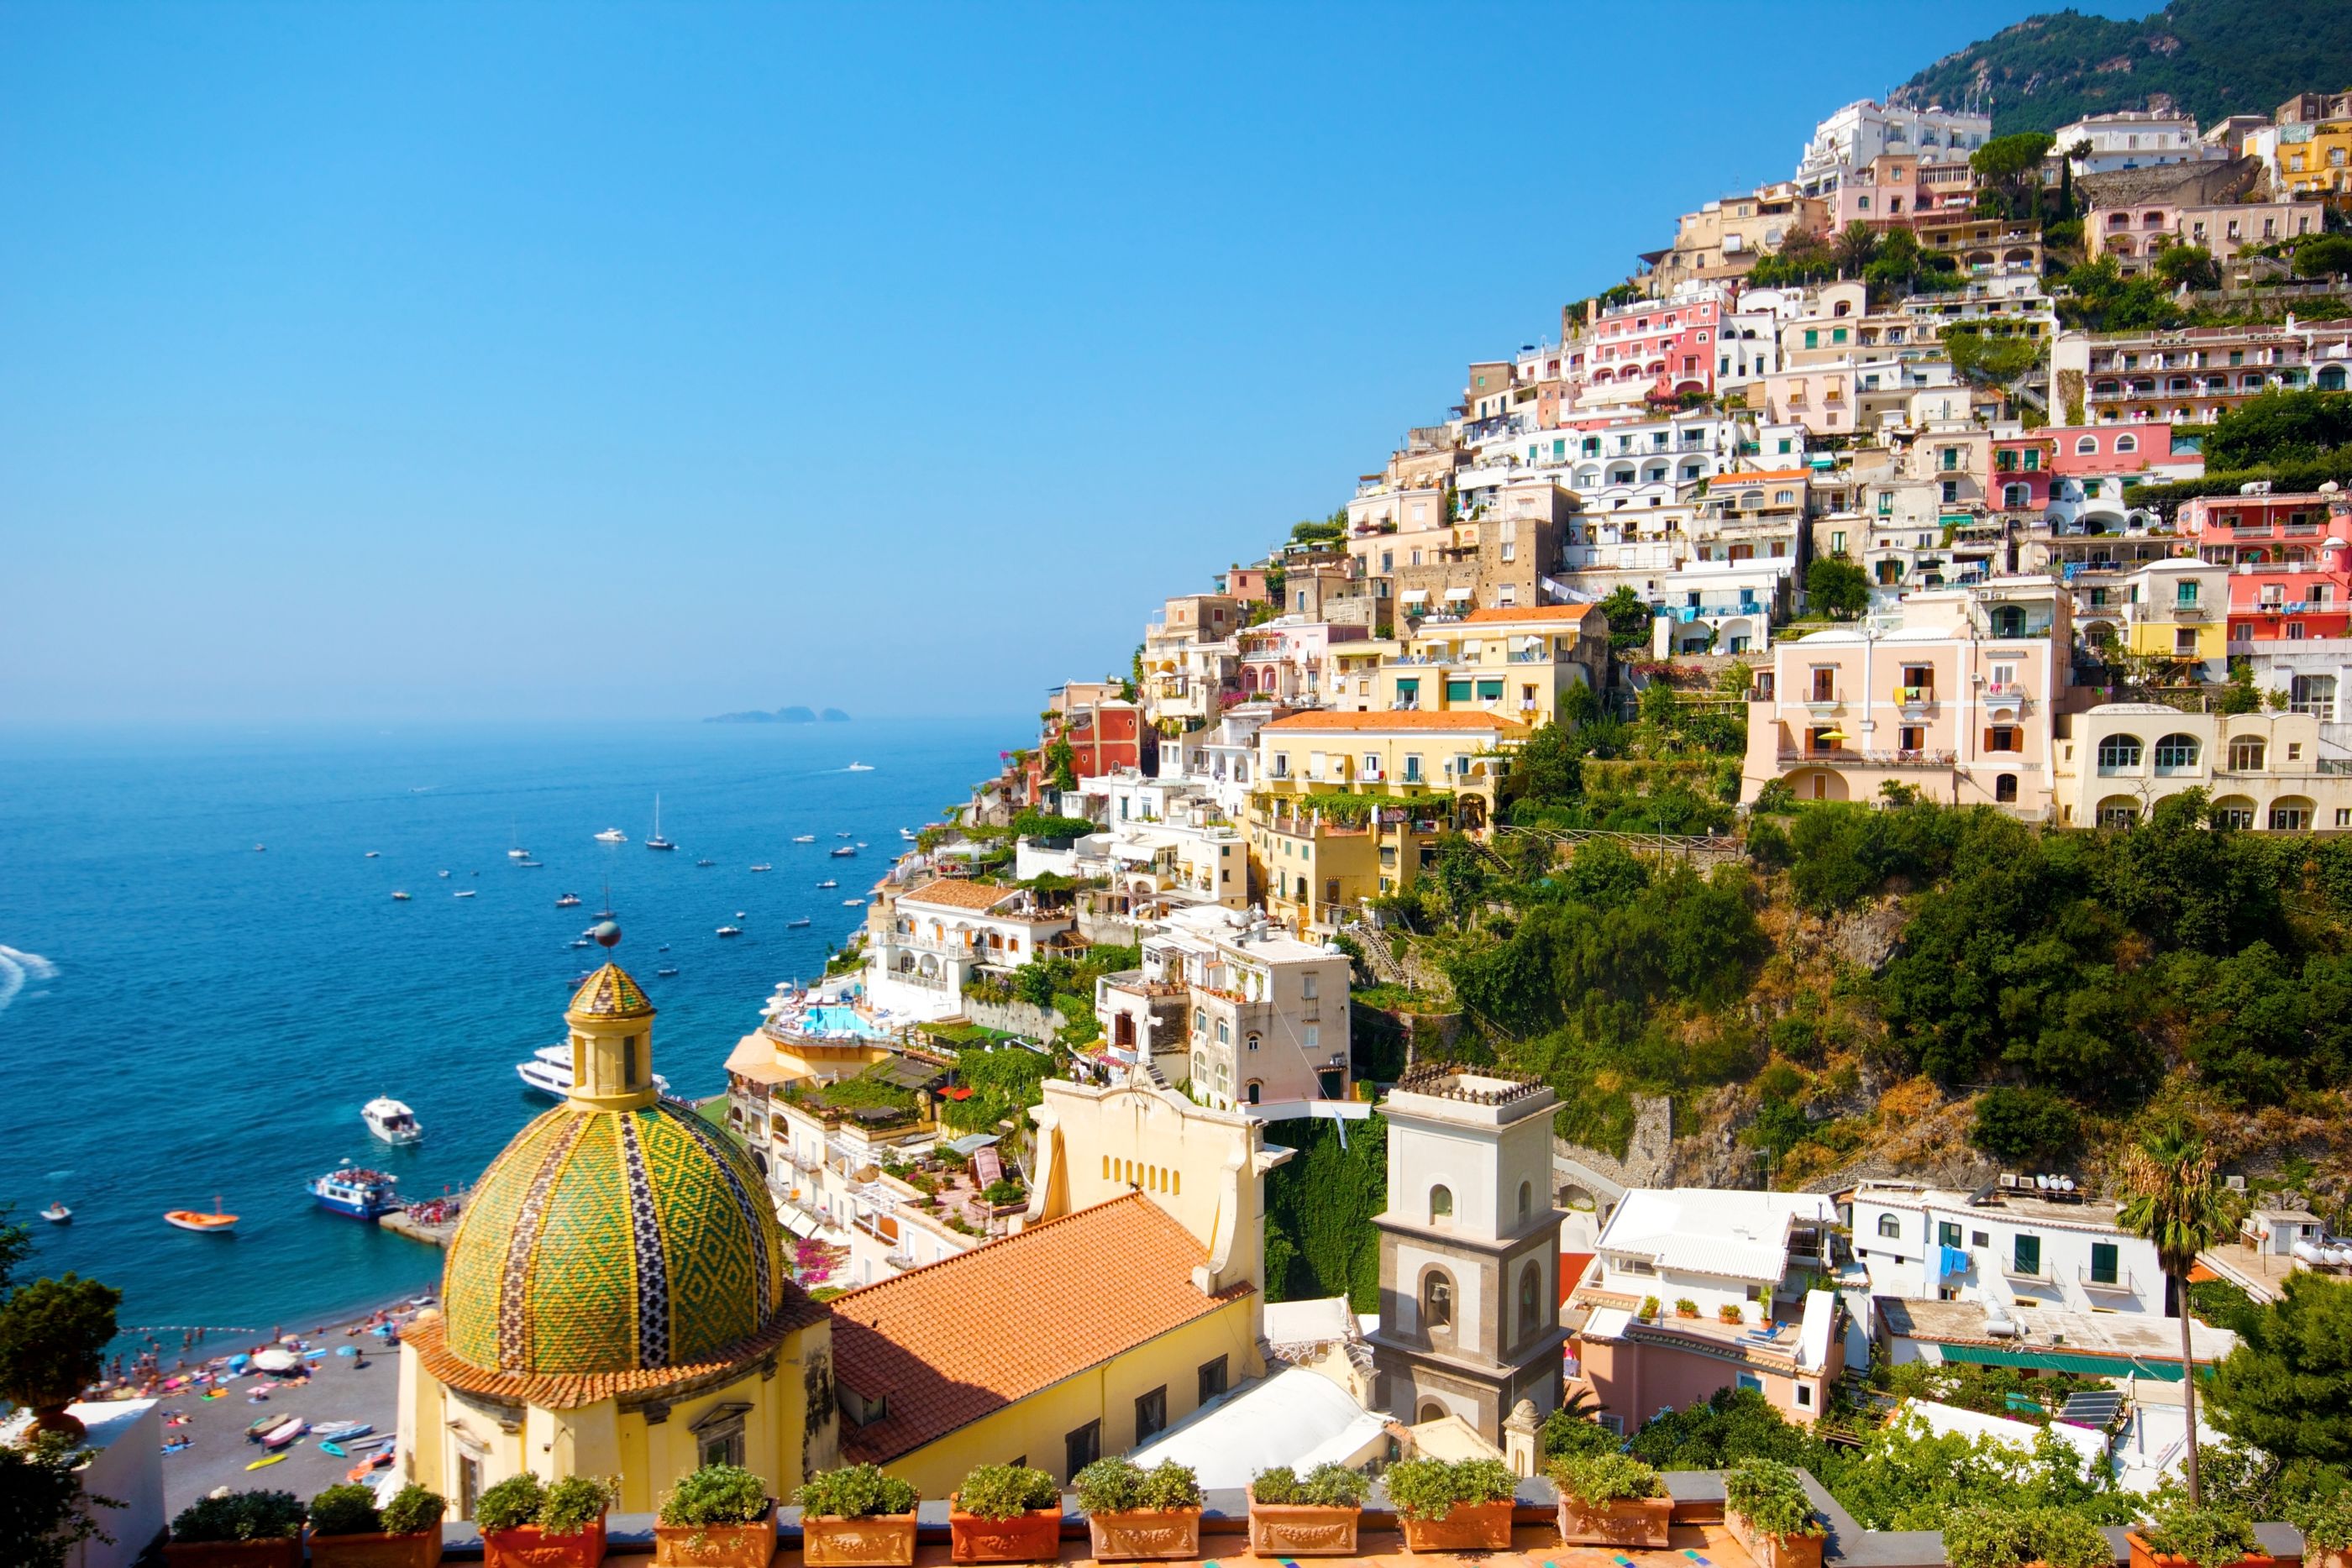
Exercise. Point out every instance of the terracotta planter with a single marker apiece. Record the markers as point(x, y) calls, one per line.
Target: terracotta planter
point(1470, 1527)
point(418, 1549)
point(2143, 1555)
point(884, 1540)
point(1623, 1521)
point(1032, 1537)
point(1774, 1551)
point(1302, 1529)
point(529, 1546)
point(282, 1554)
point(1145, 1534)
point(752, 1545)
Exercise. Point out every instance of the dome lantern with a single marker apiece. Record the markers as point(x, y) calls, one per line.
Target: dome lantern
point(612, 1043)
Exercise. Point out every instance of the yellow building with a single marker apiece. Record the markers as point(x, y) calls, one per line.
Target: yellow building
point(1349, 804)
point(2179, 616)
point(617, 1301)
point(2321, 166)
point(1506, 663)
point(1131, 1298)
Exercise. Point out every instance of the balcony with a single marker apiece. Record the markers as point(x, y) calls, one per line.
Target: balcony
point(1821, 703)
point(1902, 758)
point(1915, 701)
point(2121, 1285)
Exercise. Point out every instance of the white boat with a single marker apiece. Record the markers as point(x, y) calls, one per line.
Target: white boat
point(803, 838)
point(657, 841)
point(730, 931)
point(796, 924)
point(401, 896)
point(612, 836)
point(569, 901)
point(855, 902)
point(828, 881)
point(842, 852)
point(371, 854)
point(518, 854)
point(764, 865)
point(859, 768)
point(549, 1070)
point(908, 835)
point(58, 1214)
point(467, 894)
point(390, 1120)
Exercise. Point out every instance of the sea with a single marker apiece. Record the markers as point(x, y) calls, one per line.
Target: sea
point(203, 974)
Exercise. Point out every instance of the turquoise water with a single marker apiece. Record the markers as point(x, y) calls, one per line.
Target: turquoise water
point(840, 1021)
point(182, 1015)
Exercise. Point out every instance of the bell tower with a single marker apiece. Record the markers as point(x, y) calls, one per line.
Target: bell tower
point(611, 1026)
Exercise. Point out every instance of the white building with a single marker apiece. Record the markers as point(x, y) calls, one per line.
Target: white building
point(935, 938)
point(1862, 131)
point(2133, 139)
point(2006, 1248)
point(1751, 1251)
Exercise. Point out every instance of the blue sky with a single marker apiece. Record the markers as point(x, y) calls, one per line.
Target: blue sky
point(519, 361)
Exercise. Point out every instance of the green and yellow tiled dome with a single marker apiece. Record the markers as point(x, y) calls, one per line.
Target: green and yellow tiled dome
point(612, 1242)
point(610, 993)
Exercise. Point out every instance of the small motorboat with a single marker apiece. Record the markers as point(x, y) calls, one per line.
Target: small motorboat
point(908, 835)
point(569, 901)
point(796, 924)
point(843, 852)
point(859, 768)
point(854, 902)
point(518, 854)
point(582, 942)
point(664, 974)
point(845, 835)
point(803, 838)
point(258, 849)
point(602, 915)
point(861, 843)
point(706, 862)
point(663, 949)
point(198, 1220)
point(371, 854)
point(730, 931)
point(764, 865)
point(390, 1120)
point(443, 874)
point(531, 865)
point(828, 881)
point(612, 836)
point(58, 1214)
point(400, 898)
point(466, 892)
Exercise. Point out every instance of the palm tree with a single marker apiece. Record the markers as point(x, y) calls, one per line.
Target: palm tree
point(2174, 1197)
point(1856, 249)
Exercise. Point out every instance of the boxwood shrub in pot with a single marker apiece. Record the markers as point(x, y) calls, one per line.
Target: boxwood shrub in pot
point(347, 1529)
point(1005, 1513)
point(527, 1524)
point(856, 1517)
point(1314, 1516)
point(2327, 1526)
point(1135, 1515)
point(2181, 1536)
point(242, 1529)
point(1452, 1506)
point(1611, 1500)
point(719, 1516)
point(1767, 1511)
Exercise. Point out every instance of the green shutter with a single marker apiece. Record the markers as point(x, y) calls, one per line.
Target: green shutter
point(1457, 691)
point(2103, 1263)
point(2029, 1255)
point(1490, 688)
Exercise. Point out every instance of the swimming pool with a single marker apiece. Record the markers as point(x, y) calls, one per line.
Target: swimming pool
point(832, 1019)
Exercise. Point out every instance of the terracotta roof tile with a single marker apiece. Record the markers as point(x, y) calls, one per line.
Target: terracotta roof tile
point(958, 1340)
point(960, 892)
point(1410, 719)
point(1530, 613)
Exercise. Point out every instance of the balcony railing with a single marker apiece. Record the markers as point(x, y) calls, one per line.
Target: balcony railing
point(2121, 1283)
point(1899, 757)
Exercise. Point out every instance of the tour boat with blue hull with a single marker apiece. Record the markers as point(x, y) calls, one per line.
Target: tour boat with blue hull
point(356, 1191)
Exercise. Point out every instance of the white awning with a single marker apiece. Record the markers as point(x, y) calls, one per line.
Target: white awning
point(1412, 594)
point(1458, 592)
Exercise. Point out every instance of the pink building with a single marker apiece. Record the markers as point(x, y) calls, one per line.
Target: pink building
point(1896, 189)
point(1288, 660)
point(1665, 346)
point(2022, 468)
point(2081, 450)
point(1956, 699)
point(2291, 568)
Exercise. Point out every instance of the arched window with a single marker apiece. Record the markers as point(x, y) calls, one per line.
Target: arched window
point(1530, 1299)
point(1253, 1039)
point(1890, 1227)
point(1436, 1300)
point(2126, 444)
point(2176, 754)
point(1526, 1199)
point(2247, 754)
point(1440, 1203)
point(2004, 787)
point(1254, 1087)
point(2084, 445)
point(1431, 1410)
point(2008, 621)
point(2118, 753)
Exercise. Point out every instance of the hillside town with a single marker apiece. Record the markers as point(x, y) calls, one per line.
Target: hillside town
point(1887, 482)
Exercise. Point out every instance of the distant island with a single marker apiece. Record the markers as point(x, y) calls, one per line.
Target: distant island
point(781, 716)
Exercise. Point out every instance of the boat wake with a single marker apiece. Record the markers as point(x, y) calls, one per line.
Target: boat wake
point(18, 971)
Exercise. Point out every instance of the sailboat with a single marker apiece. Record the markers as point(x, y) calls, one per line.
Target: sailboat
point(657, 841)
point(518, 852)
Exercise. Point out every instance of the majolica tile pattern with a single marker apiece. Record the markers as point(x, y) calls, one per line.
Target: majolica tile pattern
point(606, 1241)
point(610, 993)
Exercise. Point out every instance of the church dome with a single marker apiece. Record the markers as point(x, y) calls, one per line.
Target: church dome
point(610, 993)
point(614, 1241)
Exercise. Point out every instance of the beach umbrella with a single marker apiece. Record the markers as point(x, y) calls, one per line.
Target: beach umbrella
point(347, 1349)
point(276, 1360)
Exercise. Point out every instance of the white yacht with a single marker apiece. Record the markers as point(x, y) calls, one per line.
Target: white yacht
point(549, 1070)
point(612, 836)
point(390, 1120)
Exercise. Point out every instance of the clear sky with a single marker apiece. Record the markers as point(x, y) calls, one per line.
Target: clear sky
point(555, 361)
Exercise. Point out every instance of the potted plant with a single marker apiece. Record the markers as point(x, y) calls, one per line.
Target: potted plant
point(1686, 1308)
point(2181, 1535)
point(1005, 1513)
point(527, 1524)
point(1611, 1500)
point(856, 1517)
point(53, 1340)
point(347, 1531)
point(1314, 1516)
point(1134, 1514)
point(1728, 1313)
point(1452, 1506)
point(240, 1530)
point(1649, 1312)
point(719, 1516)
point(2327, 1526)
point(1766, 1509)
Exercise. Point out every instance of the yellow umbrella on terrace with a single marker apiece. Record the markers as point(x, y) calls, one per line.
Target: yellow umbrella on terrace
point(1832, 736)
